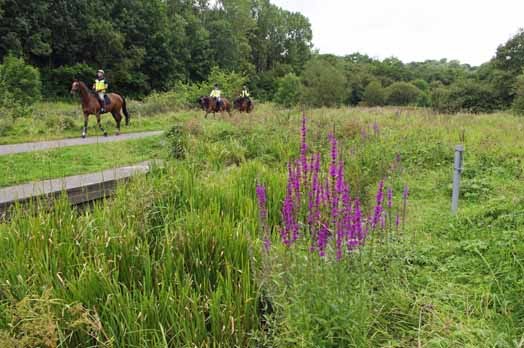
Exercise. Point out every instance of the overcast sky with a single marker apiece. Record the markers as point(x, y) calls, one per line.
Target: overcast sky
point(411, 30)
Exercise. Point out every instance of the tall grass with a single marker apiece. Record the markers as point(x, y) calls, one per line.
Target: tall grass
point(175, 259)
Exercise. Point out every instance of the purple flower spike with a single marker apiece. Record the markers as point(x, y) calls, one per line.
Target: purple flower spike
point(303, 146)
point(376, 129)
point(390, 197)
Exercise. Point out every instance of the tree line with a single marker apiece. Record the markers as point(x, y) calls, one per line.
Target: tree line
point(170, 45)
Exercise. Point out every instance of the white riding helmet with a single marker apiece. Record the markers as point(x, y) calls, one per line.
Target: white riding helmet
point(101, 71)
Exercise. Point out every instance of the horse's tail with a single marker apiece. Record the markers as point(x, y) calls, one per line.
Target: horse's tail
point(124, 109)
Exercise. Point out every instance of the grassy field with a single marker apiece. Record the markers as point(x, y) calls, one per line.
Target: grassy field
point(57, 163)
point(49, 121)
point(176, 260)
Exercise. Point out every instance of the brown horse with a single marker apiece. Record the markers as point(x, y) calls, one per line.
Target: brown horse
point(91, 106)
point(209, 105)
point(243, 104)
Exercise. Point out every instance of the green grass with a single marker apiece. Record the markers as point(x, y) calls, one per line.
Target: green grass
point(50, 121)
point(57, 163)
point(174, 259)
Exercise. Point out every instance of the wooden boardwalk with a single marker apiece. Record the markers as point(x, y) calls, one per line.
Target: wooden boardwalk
point(54, 144)
point(79, 188)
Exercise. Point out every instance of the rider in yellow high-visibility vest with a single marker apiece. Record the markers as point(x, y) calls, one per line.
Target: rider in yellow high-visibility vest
point(216, 94)
point(100, 86)
point(245, 94)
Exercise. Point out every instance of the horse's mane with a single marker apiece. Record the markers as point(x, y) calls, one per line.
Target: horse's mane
point(84, 86)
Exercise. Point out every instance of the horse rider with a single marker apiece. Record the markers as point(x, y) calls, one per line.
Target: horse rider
point(216, 95)
point(245, 94)
point(100, 86)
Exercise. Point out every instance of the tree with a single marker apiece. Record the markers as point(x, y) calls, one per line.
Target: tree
point(510, 56)
point(19, 82)
point(518, 102)
point(402, 93)
point(374, 94)
point(289, 89)
point(324, 83)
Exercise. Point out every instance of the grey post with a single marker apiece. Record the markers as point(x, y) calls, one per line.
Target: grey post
point(459, 152)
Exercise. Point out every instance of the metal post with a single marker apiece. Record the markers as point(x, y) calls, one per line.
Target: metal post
point(459, 152)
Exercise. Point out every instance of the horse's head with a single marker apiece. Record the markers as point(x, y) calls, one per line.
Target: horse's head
point(203, 101)
point(75, 86)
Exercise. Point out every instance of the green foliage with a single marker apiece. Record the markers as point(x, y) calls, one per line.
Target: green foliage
point(289, 89)
point(147, 46)
point(177, 138)
point(464, 95)
point(324, 84)
point(374, 94)
point(402, 93)
point(57, 82)
point(19, 82)
point(182, 242)
point(518, 102)
point(510, 56)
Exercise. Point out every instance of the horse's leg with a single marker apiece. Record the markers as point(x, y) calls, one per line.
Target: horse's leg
point(100, 124)
point(118, 118)
point(84, 130)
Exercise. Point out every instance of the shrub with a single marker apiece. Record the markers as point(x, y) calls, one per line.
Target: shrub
point(402, 93)
point(289, 89)
point(19, 82)
point(374, 94)
point(177, 139)
point(57, 81)
point(324, 84)
point(464, 95)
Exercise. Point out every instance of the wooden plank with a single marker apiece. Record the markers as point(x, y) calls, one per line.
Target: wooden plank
point(79, 188)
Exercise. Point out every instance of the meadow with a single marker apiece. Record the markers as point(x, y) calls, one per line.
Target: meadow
point(184, 257)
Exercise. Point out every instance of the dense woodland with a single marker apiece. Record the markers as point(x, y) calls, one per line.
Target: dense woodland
point(156, 45)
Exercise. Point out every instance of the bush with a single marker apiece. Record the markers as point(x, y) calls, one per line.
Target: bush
point(465, 95)
point(289, 89)
point(177, 139)
point(19, 82)
point(324, 84)
point(518, 102)
point(57, 82)
point(374, 94)
point(402, 93)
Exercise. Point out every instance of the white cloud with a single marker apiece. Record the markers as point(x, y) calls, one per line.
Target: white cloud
point(412, 30)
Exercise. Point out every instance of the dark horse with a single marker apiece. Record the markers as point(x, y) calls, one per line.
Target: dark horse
point(243, 104)
point(209, 105)
point(91, 106)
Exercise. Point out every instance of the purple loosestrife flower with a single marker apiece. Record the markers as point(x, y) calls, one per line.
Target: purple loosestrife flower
point(390, 198)
point(288, 219)
point(378, 208)
point(397, 221)
point(303, 146)
point(267, 244)
point(323, 236)
point(358, 236)
point(376, 129)
point(405, 194)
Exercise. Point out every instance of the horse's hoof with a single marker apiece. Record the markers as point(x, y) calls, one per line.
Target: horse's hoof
point(117, 133)
point(105, 134)
point(83, 136)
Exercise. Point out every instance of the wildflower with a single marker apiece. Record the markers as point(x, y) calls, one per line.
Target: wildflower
point(378, 208)
point(303, 146)
point(390, 198)
point(376, 129)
